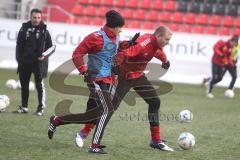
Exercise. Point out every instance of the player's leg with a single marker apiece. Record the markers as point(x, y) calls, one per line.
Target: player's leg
point(118, 90)
point(121, 88)
point(103, 98)
point(217, 74)
point(84, 132)
point(24, 77)
point(233, 72)
point(80, 118)
point(145, 89)
point(40, 89)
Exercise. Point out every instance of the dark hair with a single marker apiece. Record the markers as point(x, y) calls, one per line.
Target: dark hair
point(114, 19)
point(235, 38)
point(36, 10)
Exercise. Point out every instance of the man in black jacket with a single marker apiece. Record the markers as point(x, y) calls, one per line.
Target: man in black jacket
point(32, 41)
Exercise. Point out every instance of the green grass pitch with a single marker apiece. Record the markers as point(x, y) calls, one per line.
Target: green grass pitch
point(215, 125)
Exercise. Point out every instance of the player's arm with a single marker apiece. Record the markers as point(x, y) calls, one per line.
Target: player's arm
point(126, 44)
point(159, 54)
point(19, 46)
point(49, 49)
point(88, 45)
point(218, 49)
point(48, 41)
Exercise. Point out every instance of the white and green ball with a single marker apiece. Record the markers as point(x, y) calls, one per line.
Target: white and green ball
point(11, 84)
point(185, 116)
point(186, 140)
point(4, 102)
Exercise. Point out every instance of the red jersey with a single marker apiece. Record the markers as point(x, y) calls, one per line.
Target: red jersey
point(91, 44)
point(222, 48)
point(133, 61)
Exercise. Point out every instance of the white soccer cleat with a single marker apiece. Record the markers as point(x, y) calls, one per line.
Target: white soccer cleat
point(166, 148)
point(22, 109)
point(160, 145)
point(210, 95)
point(79, 140)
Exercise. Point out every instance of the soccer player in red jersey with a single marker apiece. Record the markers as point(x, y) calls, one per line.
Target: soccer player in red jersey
point(100, 47)
point(132, 63)
point(221, 60)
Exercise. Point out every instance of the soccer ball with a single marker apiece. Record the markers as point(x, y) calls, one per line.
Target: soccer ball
point(229, 93)
point(185, 116)
point(18, 84)
point(5, 99)
point(186, 140)
point(31, 86)
point(4, 102)
point(2, 105)
point(11, 83)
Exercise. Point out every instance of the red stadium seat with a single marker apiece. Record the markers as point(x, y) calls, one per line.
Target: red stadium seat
point(177, 17)
point(198, 29)
point(127, 13)
point(90, 11)
point(224, 31)
point(165, 16)
point(190, 18)
point(236, 31)
point(108, 2)
point(215, 20)
point(152, 15)
point(135, 24)
point(66, 5)
point(57, 16)
point(174, 27)
point(237, 22)
point(132, 3)
point(120, 3)
point(77, 10)
point(228, 21)
point(157, 4)
point(97, 21)
point(102, 11)
point(148, 25)
point(83, 1)
point(202, 19)
point(145, 4)
point(84, 20)
point(186, 28)
point(211, 30)
point(95, 2)
point(140, 14)
point(117, 9)
point(170, 5)
point(45, 10)
point(157, 24)
point(126, 24)
point(72, 20)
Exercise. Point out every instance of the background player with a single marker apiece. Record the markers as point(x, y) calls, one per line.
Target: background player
point(33, 39)
point(221, 59)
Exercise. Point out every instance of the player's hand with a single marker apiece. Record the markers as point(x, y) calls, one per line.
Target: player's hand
point(166, 65)
point(133, 40)
point(231, 64)
point(116, 70)
point(221, 55)
point(235, 61)
point(127, 44)
point(41, 58)
point(87, 77)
